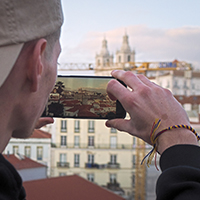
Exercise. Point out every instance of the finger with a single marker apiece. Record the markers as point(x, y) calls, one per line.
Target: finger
point(129, 78)
point(146, 81)
point(116, 90)
point(121, 125)
point(43, 121)
point(127, 126)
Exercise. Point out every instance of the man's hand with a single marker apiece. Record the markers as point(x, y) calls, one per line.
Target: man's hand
point(145, 102)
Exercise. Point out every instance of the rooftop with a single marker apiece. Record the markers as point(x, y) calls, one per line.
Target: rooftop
point(40, 134)
point(67, 187)
point(21, 162)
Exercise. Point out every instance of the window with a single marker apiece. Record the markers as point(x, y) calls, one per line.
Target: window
point(134, 142)
point(185, 84)
point(134, 161)
point(63, 126)
point(168, 84)
point(91, 126)
point(62, 174)
point(76, 126)
point(63, 160)
point(90, 158)
point(176, 84)
point(133, 180)
point(90, 177)
point(113, 178)
point(91, 141)
point(76, 160)
point(39, 153)
point(195, 107)
point(15, 149)
point(63, 140)
point(129, 58)
point(113, 130)
point(27, 151)
point(113, 142)
point(113, 159)
point(76, 140)
point(63, 157)
point(119, 59)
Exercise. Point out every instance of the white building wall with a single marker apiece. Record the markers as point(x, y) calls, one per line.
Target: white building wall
point(33, 143)
point(179, 85)
point(33, 173)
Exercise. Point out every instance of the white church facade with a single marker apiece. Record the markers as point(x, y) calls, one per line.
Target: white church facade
point(124, 55)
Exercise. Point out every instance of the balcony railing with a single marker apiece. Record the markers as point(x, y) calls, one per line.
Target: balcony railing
point(112, 185)
point(91, 165)
point(113, 165)
point(99, 146)
point(63, 164)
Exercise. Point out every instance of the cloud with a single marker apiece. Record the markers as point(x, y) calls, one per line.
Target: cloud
point(150, 44)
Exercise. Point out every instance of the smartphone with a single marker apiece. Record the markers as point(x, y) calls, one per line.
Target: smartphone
point(82, 97)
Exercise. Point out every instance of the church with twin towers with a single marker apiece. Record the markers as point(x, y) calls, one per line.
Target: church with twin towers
point(124, 55)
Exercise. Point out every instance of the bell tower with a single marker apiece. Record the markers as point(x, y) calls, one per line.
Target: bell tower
point(104, 58)
point(125, 54)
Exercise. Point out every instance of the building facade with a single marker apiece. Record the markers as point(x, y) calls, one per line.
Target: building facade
point(122, 56)
point(179, 82)
point(99, 154)
point(37, 148)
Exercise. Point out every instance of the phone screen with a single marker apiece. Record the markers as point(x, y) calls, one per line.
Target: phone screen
point(82, 97)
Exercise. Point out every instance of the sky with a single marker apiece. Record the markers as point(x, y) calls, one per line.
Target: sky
point(158, 30)
point(85, 83)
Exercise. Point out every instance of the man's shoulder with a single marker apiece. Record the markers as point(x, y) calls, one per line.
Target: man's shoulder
point(10, 180)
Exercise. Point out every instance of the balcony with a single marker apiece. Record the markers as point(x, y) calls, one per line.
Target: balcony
point(95, 146)
point(63, 164)
point(95, 166)
point(91, 165)
point(113, 165)
point(113, 185)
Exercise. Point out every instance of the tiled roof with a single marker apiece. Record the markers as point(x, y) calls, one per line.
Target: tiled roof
point(40, 134)
point(87, 113)
point(67, 187)
point(23, 162)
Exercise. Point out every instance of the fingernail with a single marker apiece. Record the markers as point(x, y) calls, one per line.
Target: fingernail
point(113, 71)
point(108, 124)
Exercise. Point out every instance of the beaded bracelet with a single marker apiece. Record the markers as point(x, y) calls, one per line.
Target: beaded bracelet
point(155, 126)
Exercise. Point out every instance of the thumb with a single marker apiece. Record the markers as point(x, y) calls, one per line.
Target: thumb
point(119, 124)
point(43, 121)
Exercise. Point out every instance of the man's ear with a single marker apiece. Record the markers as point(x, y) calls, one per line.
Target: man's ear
point(36, 64)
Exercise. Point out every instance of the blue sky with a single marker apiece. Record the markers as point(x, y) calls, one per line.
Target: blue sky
point(158, 30)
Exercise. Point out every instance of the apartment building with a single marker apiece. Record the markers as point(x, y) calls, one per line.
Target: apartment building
point(185, 83)
point(37, 147)
point(99, 154)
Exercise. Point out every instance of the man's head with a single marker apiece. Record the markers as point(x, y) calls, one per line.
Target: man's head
point(29, 49)
point(23, 21)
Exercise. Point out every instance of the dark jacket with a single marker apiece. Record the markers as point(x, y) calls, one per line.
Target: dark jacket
point(180, 178)
point(10, 182)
